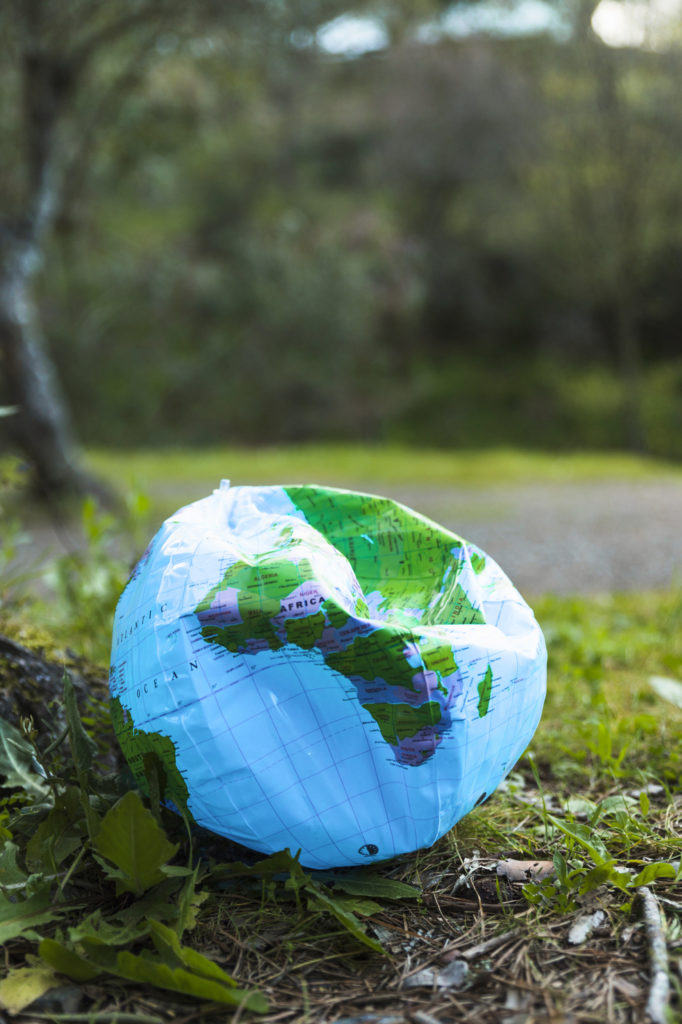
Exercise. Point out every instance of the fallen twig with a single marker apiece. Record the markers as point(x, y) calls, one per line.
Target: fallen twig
point(659, 989)
point(583, 927)
point(482, 948)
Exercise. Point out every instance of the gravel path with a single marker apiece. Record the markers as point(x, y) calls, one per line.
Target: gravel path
point(581, 538)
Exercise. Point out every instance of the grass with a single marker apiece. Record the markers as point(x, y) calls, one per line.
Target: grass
point(142, 924)
point(373, 464)
point(598, 801)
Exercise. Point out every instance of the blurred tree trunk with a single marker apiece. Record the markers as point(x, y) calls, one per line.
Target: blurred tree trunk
point(54, 44)
point(41, 426)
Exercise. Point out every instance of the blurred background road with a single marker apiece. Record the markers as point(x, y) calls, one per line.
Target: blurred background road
point(585, 537)
point(573, 538)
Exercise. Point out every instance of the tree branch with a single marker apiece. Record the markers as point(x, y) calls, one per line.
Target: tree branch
point(48, 84)
point(115, 30)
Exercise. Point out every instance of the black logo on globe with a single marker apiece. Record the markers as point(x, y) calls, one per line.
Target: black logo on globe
point(369, 850)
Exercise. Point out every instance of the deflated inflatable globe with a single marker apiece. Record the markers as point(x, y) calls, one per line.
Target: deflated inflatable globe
point(322, 671)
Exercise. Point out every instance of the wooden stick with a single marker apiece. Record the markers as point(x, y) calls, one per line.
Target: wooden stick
point(659, 989)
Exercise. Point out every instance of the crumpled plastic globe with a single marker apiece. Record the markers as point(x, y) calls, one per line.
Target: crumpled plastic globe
point(323, 671)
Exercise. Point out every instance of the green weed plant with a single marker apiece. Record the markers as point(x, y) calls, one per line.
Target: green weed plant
point(13, 536)
point(86, 583)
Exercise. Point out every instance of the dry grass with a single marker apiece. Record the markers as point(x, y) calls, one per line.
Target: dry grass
point(519, 964)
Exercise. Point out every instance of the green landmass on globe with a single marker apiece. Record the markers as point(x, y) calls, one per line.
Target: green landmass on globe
point(415, 586)
point(136, 743)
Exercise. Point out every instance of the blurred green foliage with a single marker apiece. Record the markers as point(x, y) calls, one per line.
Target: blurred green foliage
point(456, 242)
point(84, 585)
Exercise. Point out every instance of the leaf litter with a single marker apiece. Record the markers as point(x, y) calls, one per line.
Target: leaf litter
point(118, 913)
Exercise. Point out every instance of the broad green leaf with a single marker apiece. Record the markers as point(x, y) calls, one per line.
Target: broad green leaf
point(66, 961)
point(16, 762)
point(359, 905)
point(561, 868)
point(653, 871)
point(166, 942)
point(189, 902)
point(132, 840)
point(54, 840)
point(584, 836)
point(176, 871)
point(169, 871)
point(159, 903)
point(97, 929)
point(621, 878)
point(210, 982)
point(597, 876)
point(344, 917)
point(111, 872)
point(534, 892)
point(23, 916)
point(10, 872)
point(375, 886)
point(98, 954)
point(23, 985)
point(278, 864)
point(169, 948)
point(138, 968)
